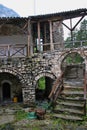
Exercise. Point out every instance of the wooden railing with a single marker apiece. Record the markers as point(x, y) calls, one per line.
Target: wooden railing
point(57, 88)
point(75, 44)
point(21, 50)
point(58, 45)
point(17, 50)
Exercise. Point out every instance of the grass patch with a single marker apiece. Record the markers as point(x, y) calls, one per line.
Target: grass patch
point(20, 115)
point(7, 126)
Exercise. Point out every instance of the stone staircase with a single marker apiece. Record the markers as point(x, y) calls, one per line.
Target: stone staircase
point(70, 104)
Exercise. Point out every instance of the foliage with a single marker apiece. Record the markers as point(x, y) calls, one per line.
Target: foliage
point(41, 83)
point(74, 58)
point(7, 126)
point(78, 35)
point(20, 115)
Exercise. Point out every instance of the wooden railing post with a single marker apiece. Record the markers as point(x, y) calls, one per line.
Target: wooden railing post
point(8, 50)
point(57, 87)
point(85, 86)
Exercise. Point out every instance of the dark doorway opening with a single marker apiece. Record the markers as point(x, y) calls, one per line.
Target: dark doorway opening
point(6, 91)
point(43, 88)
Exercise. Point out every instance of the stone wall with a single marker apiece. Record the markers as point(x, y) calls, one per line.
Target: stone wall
point(29, 70)
point(58, 35)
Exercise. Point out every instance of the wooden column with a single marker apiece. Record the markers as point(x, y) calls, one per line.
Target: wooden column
point(71, 30)
point(51, 36)
point(45, 38)
point(30, 44)
point(38, 28)
point(45, 32)
point(8, 50)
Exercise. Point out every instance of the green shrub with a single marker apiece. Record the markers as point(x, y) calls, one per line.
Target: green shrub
point(41, 83)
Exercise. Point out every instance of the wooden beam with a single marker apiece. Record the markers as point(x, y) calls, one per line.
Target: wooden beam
point(71, 31)
point(78, 22)
point(51, 36)
point(45, 32)
point(66, 26)
point(38, 28)
point(30, 43)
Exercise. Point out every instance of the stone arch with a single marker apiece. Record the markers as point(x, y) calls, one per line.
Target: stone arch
point(13, 81)
point(13, 72)
point(51, 75)
point(49, 78)
point(73, 63)
point(66, 54)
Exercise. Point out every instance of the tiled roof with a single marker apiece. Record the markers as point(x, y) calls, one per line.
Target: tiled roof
point(62, 15)
point(13, 20)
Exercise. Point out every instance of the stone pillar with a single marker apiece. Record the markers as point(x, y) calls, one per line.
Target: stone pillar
point(58, 35)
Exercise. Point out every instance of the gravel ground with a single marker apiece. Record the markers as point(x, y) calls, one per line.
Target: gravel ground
point(9, 122)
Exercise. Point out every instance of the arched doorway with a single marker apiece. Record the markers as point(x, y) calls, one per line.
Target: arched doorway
point(73, 67)
point(10, 87)
point(70, 59)
point(6, 91)
point(43, 87)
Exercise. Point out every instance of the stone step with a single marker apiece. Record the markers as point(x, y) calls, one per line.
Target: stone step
point(66, 92)
point(66, 86)
point(70, 99)
point(70, 104)
point(73, 82)
point(72, 96)
point(77, 98)
point(75, 104)
point(67, 117)
point(68, 110)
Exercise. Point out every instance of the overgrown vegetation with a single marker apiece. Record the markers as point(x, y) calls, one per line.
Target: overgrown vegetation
point(49, 123)
point(78, 35)
point(74, 58)
point(7, 126)
point(20, 115)
point(41, 83)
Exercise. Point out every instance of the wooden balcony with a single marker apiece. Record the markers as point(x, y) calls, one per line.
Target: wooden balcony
point(17, 50)
point(23, 50)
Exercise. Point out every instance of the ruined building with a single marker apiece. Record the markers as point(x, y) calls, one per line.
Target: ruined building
point(32, 48)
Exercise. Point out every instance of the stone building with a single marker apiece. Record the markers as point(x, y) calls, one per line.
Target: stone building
point(31, 48)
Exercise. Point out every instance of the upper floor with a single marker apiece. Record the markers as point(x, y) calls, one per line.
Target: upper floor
point(21, 37)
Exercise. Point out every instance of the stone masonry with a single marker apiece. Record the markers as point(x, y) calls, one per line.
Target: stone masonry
point(29, 70)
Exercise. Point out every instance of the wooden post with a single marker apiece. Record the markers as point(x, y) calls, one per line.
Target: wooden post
point(8, 50)
point(71, 31)
point(51, 36)
point(45, 40)
point(29, 45)
point(38, 28)
point(45, 32)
